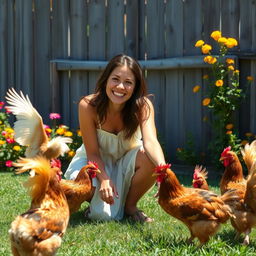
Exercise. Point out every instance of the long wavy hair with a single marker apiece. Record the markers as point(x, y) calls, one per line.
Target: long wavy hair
point(132, 112)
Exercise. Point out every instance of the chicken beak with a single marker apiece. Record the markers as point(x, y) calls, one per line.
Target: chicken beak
point(98, 171)
point(193, 181)
point(222, 158)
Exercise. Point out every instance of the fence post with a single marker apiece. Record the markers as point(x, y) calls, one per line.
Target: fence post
point(55, 87)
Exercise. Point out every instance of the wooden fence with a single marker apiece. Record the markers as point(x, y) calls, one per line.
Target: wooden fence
point(54, 50)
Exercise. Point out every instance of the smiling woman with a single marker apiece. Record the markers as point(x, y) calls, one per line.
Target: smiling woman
point(118, 131)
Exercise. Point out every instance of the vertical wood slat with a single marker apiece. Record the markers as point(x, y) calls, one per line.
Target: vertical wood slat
point(42, 38)
point(132, 29)
point(60, 49)
point(115, 28)
point(211, 18)
point(3, 49)
point(192, 32)
point(142, 30)
point(155, 49)
point(78, 50)
point(174, 114)
point(24, 46)
point(97, 38)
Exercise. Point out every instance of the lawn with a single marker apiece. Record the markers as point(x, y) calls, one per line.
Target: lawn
point(166, 236)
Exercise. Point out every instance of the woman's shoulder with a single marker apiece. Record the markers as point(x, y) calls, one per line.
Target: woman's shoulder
point(85, 104)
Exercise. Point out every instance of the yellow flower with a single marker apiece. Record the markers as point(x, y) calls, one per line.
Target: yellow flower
point(1, 122)
point(216, 35)
point(206, 48)
point(219, 83)
point(79, 133)
point(244, 142)
point(60, 131)
point(231, 42)
point(9, 130)
point(17, 148)
point(249, 78)
point(231, 68)
point(2, 142)
point(196, 88)
point(206, 101)
point(68, 134)
point(205, 77)
point(48, 130)
point(222, 40)
point(230, 61)
point(248, 134)
point(209, 59)
point(199, 43)
point(229, 126)
point(236, 72)
point(71, 153)
point(229, 132)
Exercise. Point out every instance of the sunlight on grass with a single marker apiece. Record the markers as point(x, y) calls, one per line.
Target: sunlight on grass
point(165, 236)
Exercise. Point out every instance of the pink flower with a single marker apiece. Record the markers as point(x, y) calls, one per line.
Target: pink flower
point(54, 116)
point(10, 141)
point(8, 163)
point(1, 104)
point(4, 133)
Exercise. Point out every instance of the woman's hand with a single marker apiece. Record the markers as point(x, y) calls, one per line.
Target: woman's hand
point(108, 191)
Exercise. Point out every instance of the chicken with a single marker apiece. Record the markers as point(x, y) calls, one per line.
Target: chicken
point(199, 178)
point(29, 129)
point(80, 190)
point(200, 210)
point(39, 231)
point(233, 179)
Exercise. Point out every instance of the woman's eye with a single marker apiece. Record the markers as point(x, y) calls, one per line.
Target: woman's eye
point(114, 79)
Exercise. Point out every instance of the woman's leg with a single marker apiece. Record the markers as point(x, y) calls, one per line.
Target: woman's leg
point(141, 182)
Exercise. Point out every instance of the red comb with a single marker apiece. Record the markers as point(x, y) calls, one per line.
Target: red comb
point(225, 151)
point(56, 163)
point(161, 167)
point(94, 164)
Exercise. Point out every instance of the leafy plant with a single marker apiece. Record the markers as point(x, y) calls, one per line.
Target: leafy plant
point(223, 95)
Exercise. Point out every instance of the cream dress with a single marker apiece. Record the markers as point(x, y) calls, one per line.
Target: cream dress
point(119, 157)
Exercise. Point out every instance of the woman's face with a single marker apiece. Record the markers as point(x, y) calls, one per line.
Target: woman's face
point(120, 85)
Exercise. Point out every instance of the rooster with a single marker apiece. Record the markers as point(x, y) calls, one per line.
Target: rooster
point(233, 179)
point(80, 190)
point(29, 129)
point(200, 210)
point(39, 230)
point(199, 178)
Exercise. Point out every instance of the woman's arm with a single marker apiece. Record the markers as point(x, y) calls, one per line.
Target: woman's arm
point(151, 144)
point(88, 123)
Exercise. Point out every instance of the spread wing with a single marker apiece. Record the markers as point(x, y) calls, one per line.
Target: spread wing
point(29, 129)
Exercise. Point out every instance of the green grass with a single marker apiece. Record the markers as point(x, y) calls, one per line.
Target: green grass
point(165, 236)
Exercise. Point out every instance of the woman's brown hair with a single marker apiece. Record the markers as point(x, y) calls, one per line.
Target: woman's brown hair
point(132, 111)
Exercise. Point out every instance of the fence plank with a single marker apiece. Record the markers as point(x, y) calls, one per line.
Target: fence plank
point(155, 48)
point(3, 49)
point(115, 28)
point(78, 51)
point(24, 47)
point(60, 49)
point(42, 38)
point(132, 29)
point(97, 39)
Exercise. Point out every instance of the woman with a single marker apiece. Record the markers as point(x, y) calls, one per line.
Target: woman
point(119, 134)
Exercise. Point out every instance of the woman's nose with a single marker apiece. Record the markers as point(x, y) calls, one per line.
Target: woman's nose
point(120, 85)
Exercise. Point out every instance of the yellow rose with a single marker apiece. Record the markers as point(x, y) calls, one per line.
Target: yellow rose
point(68, 134)
point(249, 78)
point(199, 43)
point(231, 68)
point(219, 83)
point(2, 142)
point(216, 35)
point(230, 61)
point(222, 40)
point(229, 132)
point(71, 153)
point(206, 48)
point(209, 59)
point(229, 126)
point(206, 101)
point(196, 88)
point(79, 133)
point(231, 42)
point(60, 131)
point(236, 72)
point(17, 148)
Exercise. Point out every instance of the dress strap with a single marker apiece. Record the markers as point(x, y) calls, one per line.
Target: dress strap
point(99, 124)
